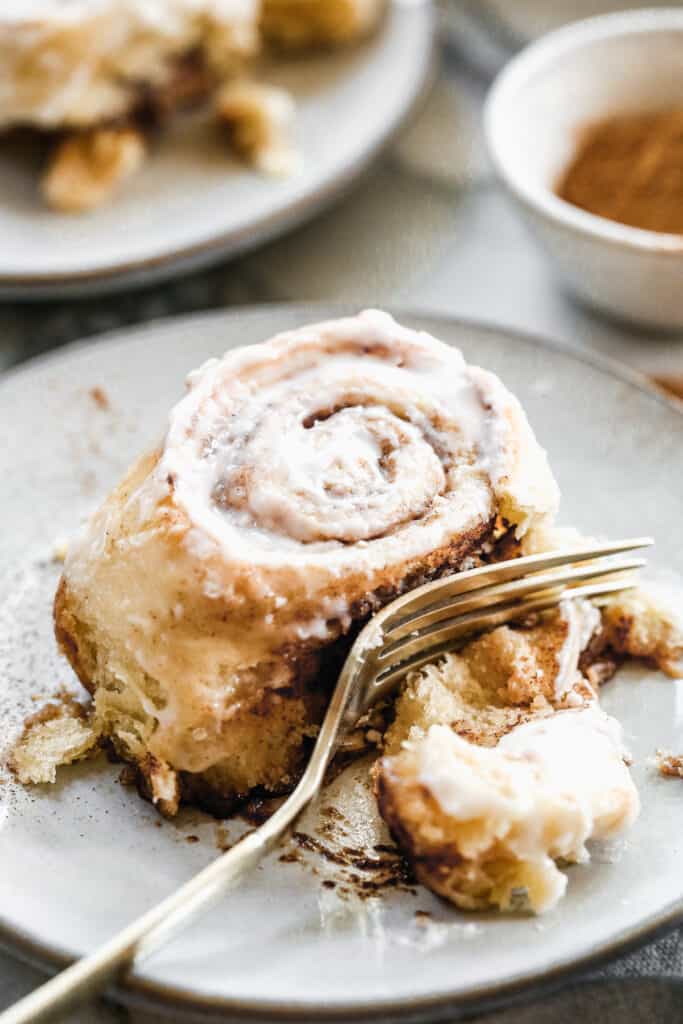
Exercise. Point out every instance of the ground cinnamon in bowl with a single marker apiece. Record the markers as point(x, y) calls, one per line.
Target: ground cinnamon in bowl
point(629, 168)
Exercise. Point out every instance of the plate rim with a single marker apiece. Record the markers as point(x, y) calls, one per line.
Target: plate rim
point(143, 992)
point(232, 243)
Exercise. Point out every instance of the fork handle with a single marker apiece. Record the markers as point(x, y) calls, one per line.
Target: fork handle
point(91, 975)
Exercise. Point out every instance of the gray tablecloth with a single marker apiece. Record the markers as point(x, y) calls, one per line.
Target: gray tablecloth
point(427, 227)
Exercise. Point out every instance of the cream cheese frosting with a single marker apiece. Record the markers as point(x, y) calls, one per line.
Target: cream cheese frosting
point(355, 448)
point(549, 786)
point(583, 621)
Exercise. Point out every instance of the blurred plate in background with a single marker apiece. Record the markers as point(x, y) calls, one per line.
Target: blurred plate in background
point(192, 205)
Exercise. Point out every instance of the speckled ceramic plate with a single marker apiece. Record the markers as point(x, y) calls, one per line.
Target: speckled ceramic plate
point(310, 937)
point(191, 204)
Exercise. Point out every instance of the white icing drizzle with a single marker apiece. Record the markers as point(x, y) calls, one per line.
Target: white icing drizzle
point(334, 434)
point(583, 620)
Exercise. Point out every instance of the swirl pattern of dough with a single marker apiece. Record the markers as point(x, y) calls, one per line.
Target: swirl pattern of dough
point(302, 484)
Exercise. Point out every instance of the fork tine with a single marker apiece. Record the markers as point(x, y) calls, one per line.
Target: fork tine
point(501, 572)
point(419, 639)
point(476, 622)
point(482, 606)
point(498, 593)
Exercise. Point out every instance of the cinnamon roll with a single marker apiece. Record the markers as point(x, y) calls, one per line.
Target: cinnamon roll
point(302, 483)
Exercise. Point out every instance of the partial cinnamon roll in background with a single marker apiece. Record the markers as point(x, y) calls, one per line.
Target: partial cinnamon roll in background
point(96, 81)
point(302, 484)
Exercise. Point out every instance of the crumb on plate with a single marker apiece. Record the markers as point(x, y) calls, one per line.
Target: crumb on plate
point(257, 119)
point(87, 167)
point(60, 733)
point(60, 549)
point(100, 398)
point(669, 765)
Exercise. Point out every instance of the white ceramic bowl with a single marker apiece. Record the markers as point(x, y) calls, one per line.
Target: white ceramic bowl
point(618, 63)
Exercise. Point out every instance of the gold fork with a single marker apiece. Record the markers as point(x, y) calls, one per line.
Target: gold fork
point(408, 633)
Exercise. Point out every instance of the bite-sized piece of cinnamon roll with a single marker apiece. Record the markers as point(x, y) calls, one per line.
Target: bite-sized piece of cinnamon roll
point(485, 826)
point(87, 168)
point(302, 484)
point(645, 622)
point(642, 624)
point(499, 762)
point(256, 119)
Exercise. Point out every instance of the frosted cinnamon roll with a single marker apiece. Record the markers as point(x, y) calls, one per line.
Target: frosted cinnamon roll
point(302, 483)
